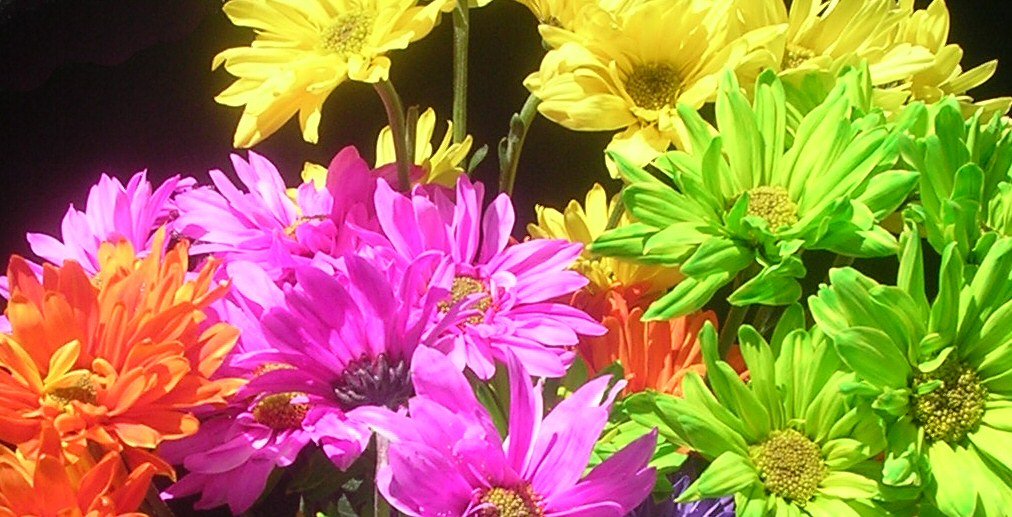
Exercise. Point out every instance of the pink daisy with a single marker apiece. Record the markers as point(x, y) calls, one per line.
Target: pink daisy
point(514, 291)
point(262, 224)
point(348, 336)
point(112, 212)
point(447, 458)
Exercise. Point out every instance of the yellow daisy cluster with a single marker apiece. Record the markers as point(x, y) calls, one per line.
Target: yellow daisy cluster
point(304, 50)
point(586, 223)
point(625, 66)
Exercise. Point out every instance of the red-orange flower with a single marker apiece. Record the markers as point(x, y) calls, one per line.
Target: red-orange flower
point(654, 355)
point(119, 359)
point(49, 485)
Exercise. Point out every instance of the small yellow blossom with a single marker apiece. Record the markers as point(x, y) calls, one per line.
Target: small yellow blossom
point(441, 165)
point(584, 224)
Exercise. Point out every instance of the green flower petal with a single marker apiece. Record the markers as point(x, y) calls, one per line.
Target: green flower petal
point(688, 296)
point(718, 255)
point(873, 356)
point(728, 474)
point(953, 490)
point(848, 485)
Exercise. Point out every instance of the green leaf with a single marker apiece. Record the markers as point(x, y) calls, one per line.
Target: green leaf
point(728, 474)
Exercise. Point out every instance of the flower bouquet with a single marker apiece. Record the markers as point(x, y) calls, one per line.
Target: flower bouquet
point(711, 334)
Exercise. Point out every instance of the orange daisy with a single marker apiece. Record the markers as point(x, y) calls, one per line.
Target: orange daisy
point(119, 359)
point(84, 488)
point(655, 355)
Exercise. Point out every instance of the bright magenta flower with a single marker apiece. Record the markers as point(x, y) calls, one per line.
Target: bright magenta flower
point(513, 291)
point(449, 459)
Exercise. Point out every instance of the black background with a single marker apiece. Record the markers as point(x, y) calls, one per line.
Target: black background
point(117, 86)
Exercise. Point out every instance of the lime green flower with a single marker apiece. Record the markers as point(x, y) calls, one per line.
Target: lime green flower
point(939, 373)
point(758, 193)
point(785, 443)
point(966, 173)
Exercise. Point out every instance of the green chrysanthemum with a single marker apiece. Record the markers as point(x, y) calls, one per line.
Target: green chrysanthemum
point(966, 173)
point(939, 373)
point(758, 193)
point(785, 443)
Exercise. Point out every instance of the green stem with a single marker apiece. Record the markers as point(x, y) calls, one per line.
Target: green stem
point(398, 128)
point(729, 328)
point(511, 146)
point(461, 28)
point(616, 214)
point(381, 508)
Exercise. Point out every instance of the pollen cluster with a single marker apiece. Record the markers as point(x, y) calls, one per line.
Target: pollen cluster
point(653, 85)
point(510, 502)
point(464, 286)
point(795, 56)
point(773, 205)
point(348, 33)
point(790, 465)
point(277, 411)
point(954, 408)
point(82, 391)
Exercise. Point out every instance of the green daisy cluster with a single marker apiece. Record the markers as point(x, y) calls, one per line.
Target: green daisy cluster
point(865, 262)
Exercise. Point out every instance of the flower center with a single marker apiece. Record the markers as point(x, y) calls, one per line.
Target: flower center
point(348, 33)
point(278, 412)
point(377, 381)
point(773, 205)
point(464, 286)
point(82, 391)
point(511, 502)
point(795, 56)
point(955, 407)
point(653, 85)
point(790, 465)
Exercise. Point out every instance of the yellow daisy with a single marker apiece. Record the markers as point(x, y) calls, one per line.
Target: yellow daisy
point(627, 73)
point(584, 224)
point(565, 13)
point(827, 36)
point(303, 50)
point(929, 28)
point(441, 165)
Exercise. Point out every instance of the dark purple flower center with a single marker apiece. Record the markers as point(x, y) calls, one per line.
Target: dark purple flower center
point(278, 412)
point(378, 381)
point(511, 502)
point(464, 286)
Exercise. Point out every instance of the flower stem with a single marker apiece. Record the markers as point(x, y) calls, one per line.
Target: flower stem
point(729, 328)
point(381, 508)
point(511, 146)
point(461, 28)
point(395, 116)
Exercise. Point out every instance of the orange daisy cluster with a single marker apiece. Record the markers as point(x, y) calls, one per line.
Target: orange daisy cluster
point(654, 355)
point(82, 488)
point(114, 362)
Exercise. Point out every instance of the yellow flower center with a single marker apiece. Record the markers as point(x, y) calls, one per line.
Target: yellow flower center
point(348, 33)
point(82, 391)
point(790, 465)
point(464, 286)
point(653, 85)
point(953, 409)
point(509, 502)
point(773, 205)
point(277, 411)
point(795, 56)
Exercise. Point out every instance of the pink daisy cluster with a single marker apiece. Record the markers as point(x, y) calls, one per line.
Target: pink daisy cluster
point(363, 310)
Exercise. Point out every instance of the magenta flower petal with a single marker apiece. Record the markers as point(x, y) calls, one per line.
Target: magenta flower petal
point(604, 484)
